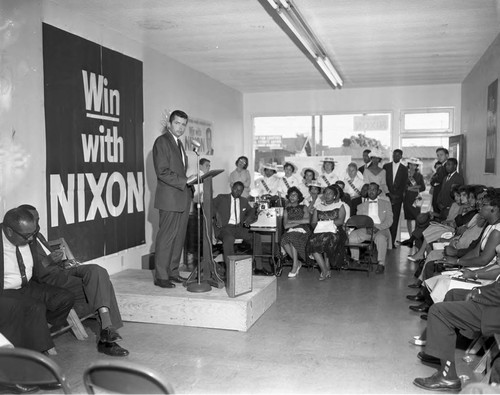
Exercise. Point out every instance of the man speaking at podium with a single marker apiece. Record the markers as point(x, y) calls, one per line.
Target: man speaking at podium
point(173, 199)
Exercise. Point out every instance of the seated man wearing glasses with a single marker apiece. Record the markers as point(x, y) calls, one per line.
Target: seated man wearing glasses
point(17, 259)
point(90, 285)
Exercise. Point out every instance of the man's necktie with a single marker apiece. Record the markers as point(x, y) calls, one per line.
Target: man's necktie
point(22, 268)
point(235, 212)
point(181, 149)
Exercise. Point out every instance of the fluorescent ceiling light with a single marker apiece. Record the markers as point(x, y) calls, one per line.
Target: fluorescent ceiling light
point(294, 21)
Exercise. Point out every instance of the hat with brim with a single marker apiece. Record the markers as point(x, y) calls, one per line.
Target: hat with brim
point(315, 184)
point(376, 153)
point(329, 159)
point(270, 166)
point(414, 161)
point(288, 163)
point(303, 172)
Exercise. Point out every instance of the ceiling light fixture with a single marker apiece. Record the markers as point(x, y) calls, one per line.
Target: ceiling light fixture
point(294, 21)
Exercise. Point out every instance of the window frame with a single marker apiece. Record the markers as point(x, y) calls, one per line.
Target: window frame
point(408, 133)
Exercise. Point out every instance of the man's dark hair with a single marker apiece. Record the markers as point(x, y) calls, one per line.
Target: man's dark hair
point(444, 150)
point(454, 161)
point(398, 150)
point(15, 216)
point(28, 207)
point(238, 183)
point(177, 113)
point(203, 161)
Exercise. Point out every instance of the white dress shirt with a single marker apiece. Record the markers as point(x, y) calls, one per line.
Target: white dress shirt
point(373, 211)
point(235, 214)
point(12, 275)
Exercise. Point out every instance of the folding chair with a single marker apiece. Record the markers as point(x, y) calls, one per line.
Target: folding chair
point(367, 249)
point(28, 367)
point(123, 377)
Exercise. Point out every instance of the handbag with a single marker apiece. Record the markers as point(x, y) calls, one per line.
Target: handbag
point(419, 201)
point(325, 226)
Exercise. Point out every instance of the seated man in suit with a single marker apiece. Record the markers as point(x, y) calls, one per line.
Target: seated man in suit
point(380, 211)
point(468, 311)
point(90, 285)
point(233, 216)
point(17, 260)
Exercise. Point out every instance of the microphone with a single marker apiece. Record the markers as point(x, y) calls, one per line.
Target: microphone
point(196, 144)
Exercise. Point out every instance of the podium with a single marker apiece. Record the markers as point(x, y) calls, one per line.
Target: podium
point(204, 272)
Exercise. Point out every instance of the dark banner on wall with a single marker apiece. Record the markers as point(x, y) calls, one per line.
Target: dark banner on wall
point(95, 166)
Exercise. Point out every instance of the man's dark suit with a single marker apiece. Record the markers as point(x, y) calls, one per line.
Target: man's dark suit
point(436, 182)
point(90, 284)
point(397, 188)
point(444, 199)
point(480, 314)
point(53, 301)
point(173, 199)
point(229, 233)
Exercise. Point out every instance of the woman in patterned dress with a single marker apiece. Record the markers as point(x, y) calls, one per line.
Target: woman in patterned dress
point(328, 240)
point(416, 185)
point(296, 223)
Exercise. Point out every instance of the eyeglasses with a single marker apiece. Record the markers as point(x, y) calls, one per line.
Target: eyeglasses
point(29, 236)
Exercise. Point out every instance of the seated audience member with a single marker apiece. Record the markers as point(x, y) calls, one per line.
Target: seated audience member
point(366, 161)
point(297, 230)
point(89, 284)
point(308, 175)
point(328, 239)
point(18, 258)
point(482, 256)
point(328, 175)
point(353, 180)
point(345, 199)
point(468, 312)
point(268, 186)
point(241, 174)
point(314, 196)
point(445, 199)
point(198, 189)
point(416, 184)
point(233, 216)
point(290, 179)
point(381, 212)
point(458, 246)
point(375, 173)
point(465, 211)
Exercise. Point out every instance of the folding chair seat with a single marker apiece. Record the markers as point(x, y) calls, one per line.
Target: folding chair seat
point(367, 249)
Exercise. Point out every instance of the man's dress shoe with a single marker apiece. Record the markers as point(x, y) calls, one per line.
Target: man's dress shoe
point(18, 389)
point(421, 308)
point(416, 298)
point(424, 317)
point(438, 383)
point(109, 335)
point(112, 349)
point(164, 283)
point(380, 269)
point(407, 243)
point(428, 358)
point(177, 279)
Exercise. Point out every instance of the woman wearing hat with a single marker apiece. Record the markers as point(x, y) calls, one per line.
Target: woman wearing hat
point(328, 176)
point(416, 185)
point(269, 184)
point(290, 179)
point(308, 175)
point(241, 174)
point(374, 173)
point(314, 196)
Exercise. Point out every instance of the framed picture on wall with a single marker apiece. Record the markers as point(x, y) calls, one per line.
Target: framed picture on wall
point(491, 128)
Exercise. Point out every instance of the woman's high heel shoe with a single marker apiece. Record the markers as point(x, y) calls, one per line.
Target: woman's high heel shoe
point(324, 276)
point(292, 274)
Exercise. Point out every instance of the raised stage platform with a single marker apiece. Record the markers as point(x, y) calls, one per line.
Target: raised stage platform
point(141, 301)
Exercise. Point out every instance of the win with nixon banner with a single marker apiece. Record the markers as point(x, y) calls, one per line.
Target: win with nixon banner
point(95, 163)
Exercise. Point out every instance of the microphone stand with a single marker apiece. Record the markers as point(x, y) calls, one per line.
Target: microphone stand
point(198, 286)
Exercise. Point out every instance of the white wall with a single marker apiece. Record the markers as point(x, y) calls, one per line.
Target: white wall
point(167, 85)
point(474, 107)
point(332, 101)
